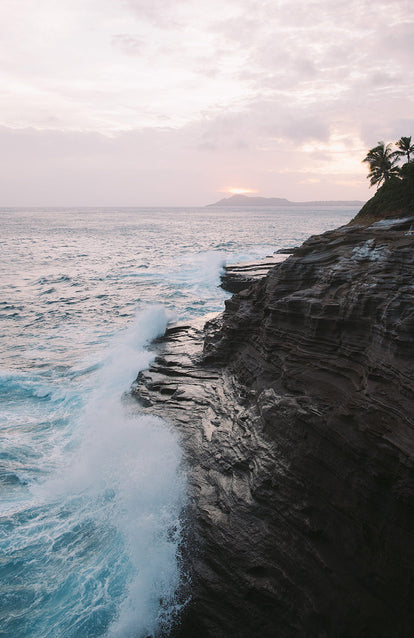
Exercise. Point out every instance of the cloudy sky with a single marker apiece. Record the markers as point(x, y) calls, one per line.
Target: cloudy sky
point(178, 102)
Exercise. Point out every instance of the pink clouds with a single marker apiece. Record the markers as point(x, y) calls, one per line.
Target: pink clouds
point(215, 91)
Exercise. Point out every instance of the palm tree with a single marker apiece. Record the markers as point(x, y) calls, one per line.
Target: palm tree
point(382, 164)
point(405, 148)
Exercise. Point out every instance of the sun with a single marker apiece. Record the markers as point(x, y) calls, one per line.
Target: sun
point(239, 191)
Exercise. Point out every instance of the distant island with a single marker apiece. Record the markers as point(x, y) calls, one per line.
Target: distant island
point(247, 200)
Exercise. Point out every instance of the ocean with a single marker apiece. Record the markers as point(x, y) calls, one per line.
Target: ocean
point(91, 490)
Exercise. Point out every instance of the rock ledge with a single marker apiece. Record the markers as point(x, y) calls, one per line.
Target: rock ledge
point(295, 409)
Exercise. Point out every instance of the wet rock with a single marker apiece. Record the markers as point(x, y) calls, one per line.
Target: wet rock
point(285, 251)
point(295, 408)
point(237, 277)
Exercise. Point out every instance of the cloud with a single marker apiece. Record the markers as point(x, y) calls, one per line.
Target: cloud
point(244, 85)
point(161, 167)
point(105, 67)
point(129, 44)
point(396, 42)
point(160, 13)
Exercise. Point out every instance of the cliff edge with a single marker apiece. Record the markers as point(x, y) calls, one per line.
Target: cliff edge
point(295, 409)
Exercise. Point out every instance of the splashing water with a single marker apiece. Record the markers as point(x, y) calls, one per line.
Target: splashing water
point(105, 523)
point(91, 489)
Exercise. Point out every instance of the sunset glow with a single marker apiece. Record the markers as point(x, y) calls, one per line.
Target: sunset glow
point(240, 191)
point(172, 94)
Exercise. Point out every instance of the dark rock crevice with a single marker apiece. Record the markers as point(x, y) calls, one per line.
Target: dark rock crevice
point(295, 410)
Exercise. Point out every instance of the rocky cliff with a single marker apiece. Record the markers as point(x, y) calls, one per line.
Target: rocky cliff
point(295, 409)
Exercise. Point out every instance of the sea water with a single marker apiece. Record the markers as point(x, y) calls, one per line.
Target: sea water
point(91, 491)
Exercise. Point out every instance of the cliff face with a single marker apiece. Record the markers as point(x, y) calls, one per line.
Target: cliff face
point(297, 421)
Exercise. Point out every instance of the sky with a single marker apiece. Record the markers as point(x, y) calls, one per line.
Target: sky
point(183, 102)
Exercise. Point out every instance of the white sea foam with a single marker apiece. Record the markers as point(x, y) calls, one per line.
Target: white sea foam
point(91, 489)
point(29, 384)
point(126, 468)
point(201, 269)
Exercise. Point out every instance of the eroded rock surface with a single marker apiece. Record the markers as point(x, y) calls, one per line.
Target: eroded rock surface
point(237, 277)
point(295, 409)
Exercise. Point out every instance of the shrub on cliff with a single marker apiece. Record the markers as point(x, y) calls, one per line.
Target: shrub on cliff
point(395, 198)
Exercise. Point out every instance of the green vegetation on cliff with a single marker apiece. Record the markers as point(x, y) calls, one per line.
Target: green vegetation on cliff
point(395, 198)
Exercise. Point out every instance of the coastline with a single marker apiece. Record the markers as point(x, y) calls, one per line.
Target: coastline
point(294, 409)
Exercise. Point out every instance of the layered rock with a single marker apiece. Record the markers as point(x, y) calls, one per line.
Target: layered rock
point(295, 409)
point(237, 277)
